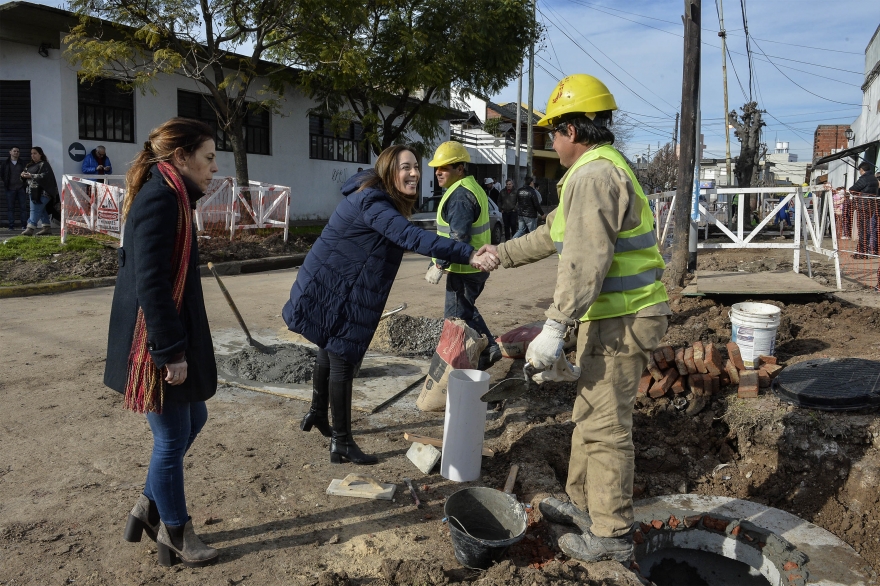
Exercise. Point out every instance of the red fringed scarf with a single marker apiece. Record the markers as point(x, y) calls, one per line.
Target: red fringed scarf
point(145, 389)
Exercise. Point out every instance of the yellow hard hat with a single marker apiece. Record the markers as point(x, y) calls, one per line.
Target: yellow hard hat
point(577, 94)
point(448, 153)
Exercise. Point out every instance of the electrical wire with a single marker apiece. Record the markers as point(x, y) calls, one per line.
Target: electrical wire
point(742, 5)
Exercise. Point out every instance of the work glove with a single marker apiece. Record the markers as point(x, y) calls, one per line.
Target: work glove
point(561, 371)
point(546, 348)
point(433, 275)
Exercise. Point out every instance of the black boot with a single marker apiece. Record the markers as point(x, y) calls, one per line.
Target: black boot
point(342, 446)
point(143, 518)
point(317, 414)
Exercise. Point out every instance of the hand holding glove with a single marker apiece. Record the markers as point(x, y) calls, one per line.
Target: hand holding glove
point(433, 275)
point(561, 371)
point(544, 350)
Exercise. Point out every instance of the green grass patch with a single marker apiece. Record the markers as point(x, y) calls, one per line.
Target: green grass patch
point(43, 247)
point(305, 230)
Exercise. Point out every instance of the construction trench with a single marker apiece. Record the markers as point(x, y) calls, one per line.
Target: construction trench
point(738, 491)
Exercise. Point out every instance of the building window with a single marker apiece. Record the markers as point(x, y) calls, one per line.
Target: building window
point(256, 123)
point(105, 111)
point(350, 146)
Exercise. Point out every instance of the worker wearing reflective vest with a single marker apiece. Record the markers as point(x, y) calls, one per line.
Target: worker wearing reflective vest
point(608, 284)
point(463, 215)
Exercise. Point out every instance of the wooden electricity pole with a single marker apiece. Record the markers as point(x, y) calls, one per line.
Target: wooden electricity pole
point(690, 89)
point(723, 34)
point(530, 128)
point(518, 137)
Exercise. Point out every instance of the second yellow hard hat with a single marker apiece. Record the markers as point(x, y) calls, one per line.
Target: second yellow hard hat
point(577, 94)
point(448, 153)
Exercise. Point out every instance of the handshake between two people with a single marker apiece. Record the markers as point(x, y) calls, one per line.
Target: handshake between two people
point(485, 259)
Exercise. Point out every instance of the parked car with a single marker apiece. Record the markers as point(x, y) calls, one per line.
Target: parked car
point(426, 218)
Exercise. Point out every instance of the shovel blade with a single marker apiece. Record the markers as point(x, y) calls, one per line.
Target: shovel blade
point(506, 389)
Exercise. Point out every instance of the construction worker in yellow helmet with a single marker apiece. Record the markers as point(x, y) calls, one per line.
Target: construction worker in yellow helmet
point(608, 287)
point(463, 215)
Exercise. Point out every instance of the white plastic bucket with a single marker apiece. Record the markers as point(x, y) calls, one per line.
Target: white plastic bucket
point(465, 425)
point(753, 328)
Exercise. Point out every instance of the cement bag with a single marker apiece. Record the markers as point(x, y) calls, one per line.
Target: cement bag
point(459, 347)
point(514, 343)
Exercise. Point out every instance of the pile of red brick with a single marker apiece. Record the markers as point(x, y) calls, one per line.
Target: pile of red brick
point(701, 369)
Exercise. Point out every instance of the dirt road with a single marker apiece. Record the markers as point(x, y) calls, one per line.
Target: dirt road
point(73, 461)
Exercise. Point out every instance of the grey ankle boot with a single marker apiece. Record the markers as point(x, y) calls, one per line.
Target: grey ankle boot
point(181, 543)
point(46, 230)
point(29, 231)
point(557, 511)
point(139, 520)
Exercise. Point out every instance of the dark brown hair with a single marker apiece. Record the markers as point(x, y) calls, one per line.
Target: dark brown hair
point(42, 154)
point(385, 175)
point(165, 139)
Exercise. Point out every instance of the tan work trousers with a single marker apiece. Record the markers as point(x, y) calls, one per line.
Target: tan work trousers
point(612, 354)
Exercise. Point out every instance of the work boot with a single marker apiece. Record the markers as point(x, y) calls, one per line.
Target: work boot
point(556, 511)
point(143, 518)
point(180, 543)
point(591, 548)
point(46, 230)
point(342, 446)
point(317, 414)
point(29, 231)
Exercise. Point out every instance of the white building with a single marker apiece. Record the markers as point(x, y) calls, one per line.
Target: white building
point(43, 104)
point(786, 167)
point(866, 128)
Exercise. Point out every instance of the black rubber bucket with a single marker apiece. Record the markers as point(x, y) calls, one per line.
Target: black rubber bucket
point(483, 523)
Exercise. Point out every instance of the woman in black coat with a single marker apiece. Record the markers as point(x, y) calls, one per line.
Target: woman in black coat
point(159, 349)
point(341, 288)
point(43, 191)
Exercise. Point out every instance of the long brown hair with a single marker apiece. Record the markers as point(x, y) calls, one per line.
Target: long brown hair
point(385, 177)
point(183, 133)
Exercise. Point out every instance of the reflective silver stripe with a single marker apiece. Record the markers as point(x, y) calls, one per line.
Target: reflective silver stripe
point(630, 282)
point(646, 240)
point(474, 229)
point(558, 246)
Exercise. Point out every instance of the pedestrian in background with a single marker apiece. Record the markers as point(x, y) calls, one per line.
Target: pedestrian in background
point(343, 285)
point(160, 355)
point(865, 199)
point(42, 191)
point(16, 194)
point(508, 200)
point(97, 163)
point(528, 208)
point(491, 191)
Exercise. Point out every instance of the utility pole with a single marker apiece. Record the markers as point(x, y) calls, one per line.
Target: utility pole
point(518, 137)
point(690, 88)
point(723, 34)
point(675, 133)
point(529, 129)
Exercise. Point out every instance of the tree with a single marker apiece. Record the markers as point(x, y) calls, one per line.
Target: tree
point(747, 128)
point(661, 171)
point(134, 41)
point(392, 65)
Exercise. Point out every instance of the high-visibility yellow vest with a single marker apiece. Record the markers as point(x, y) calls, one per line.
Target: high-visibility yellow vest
point(633, 280)
point(480, 233)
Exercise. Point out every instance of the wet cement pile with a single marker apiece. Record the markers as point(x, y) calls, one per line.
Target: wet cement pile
point(405, 335)
point(288, 363)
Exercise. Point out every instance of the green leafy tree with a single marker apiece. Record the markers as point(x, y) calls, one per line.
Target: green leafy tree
point(395, 65)
point(220, 44)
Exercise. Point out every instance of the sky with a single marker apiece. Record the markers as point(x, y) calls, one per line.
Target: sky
point(808, 63)
point(636, 48)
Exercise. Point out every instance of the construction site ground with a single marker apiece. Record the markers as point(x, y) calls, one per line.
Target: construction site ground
point(73, 461)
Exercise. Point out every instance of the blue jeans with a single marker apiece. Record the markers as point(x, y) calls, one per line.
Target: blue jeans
point(526, 225)
point(173, 433)
point(38, 213)
point(17, 195)
point(462, 290)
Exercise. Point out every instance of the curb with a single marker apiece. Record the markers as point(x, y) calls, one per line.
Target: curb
point(235, 267)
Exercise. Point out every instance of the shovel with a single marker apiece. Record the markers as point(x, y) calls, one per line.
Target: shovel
point(260, 347)
point(509, 388)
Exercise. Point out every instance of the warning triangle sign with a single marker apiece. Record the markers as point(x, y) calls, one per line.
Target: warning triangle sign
point(107, 203)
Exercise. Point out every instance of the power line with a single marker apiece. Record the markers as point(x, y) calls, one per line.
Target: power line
point(742, 5)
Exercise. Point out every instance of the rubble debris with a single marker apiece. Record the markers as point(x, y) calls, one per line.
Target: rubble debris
point(288, 363)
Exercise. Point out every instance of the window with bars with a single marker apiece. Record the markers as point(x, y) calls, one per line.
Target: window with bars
point(256, 123)
point(350, 146)
point(105, 111)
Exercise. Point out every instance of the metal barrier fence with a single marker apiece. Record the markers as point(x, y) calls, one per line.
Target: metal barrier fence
point(93, 205)
point(856, 219)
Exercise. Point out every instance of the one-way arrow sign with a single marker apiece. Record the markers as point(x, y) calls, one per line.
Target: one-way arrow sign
point(77, 151)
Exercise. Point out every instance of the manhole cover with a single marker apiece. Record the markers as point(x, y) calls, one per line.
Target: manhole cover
point(832, 384)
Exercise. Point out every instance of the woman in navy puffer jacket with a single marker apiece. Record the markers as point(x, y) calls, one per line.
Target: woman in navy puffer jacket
point(341, 289)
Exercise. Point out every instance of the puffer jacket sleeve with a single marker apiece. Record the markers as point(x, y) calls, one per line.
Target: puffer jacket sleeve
point(383, 217)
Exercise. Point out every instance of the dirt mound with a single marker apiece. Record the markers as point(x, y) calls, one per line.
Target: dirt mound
point(404, 335)
point(250, 246)
point(288, 363)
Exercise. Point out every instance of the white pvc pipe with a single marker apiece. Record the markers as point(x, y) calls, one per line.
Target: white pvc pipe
point(465, 425)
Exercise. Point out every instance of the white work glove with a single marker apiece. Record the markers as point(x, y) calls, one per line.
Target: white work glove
point(433, 275)
point(562, 371)
point(545, 349)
